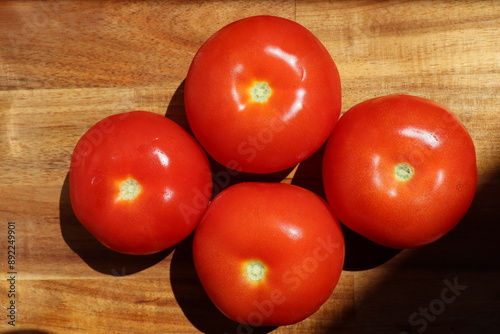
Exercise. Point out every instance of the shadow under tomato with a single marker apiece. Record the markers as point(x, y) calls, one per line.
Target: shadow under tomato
point(92, 252)
point(224, 177)
point(175, 109)
point(449, 286)
point(309, 173)
point(362, 253)
point(194, 301)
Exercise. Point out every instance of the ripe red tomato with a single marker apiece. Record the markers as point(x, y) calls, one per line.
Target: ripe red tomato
point(400, 170)
point(139, 182)
point(268, 253)
point(262, 94)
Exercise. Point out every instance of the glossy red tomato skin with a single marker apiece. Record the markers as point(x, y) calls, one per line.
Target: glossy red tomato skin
point(298, 117)
point(368, 142)
point(288, 229)
point(170, 166)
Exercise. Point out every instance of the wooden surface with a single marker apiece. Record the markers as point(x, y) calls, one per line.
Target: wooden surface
point(66, 64)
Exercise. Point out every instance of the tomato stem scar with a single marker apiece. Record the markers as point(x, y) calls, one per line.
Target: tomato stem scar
point(260, 92)
point(403, 171)
point(129, 189)
point(255, 271)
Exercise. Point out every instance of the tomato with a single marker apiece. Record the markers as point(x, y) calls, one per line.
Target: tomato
point(262, 94)
point(400, 170)
point(268, 253)
point(139, 182)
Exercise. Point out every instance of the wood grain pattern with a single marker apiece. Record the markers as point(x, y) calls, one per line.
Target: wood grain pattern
point(66, 64)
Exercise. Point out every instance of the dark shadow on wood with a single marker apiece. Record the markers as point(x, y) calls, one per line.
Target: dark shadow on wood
point(449, 286)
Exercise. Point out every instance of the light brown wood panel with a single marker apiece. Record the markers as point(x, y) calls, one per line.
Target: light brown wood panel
point(66, 64)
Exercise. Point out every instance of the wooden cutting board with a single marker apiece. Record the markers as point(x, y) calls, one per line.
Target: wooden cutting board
point(66, 64)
